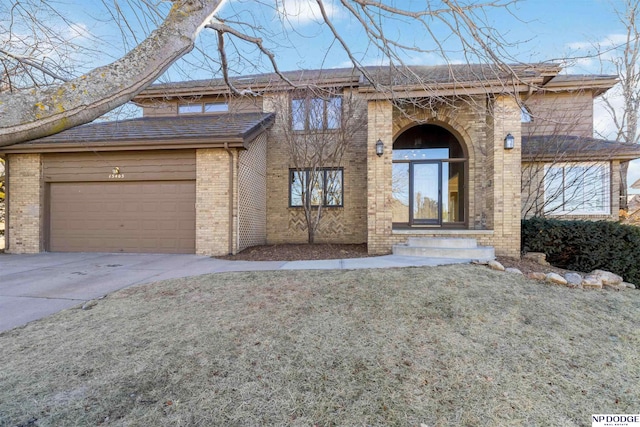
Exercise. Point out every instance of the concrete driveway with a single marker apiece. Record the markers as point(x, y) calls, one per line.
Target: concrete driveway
point(35, 286)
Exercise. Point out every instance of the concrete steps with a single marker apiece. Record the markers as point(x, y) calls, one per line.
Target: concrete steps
point(443, 247)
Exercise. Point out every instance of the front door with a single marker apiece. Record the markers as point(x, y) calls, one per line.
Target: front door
point(426, 193)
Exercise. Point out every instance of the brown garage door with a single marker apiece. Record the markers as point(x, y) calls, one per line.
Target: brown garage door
point(139, 216)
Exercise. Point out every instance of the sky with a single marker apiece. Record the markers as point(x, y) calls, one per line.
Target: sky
point(533, 31)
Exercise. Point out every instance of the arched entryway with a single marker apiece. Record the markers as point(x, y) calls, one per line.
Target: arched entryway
point(429, 179)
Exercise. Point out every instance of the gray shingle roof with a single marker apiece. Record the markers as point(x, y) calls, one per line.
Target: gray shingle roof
point(214, 126)
point(570, 147)
point(385, 75)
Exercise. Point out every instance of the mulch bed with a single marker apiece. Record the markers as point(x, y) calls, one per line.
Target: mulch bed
point(295, 252)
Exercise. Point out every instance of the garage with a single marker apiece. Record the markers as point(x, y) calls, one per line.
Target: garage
point(157, 217)
point(168, 184)
point(139, 202)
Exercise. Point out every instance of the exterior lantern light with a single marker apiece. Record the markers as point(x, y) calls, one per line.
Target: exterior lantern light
point(509, 142)
point(379, 148)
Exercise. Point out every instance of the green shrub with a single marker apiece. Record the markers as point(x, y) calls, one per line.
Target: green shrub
point(585, 245)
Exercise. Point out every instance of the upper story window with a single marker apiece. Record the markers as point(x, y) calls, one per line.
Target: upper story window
point(316, 113)
point(199, 108)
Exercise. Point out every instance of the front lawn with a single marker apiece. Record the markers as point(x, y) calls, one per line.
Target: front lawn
point(446, 346)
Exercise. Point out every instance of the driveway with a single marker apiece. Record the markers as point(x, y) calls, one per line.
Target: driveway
point(35, 286)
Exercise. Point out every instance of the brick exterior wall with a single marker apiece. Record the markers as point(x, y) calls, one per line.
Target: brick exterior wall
point(379, 191)
point(493, 173)
point(213, 218)
point(505, 118)
point(286, 224)
point(26, 204)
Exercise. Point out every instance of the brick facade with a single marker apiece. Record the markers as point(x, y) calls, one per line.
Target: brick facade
point(26, 206)
point(493, 173)
point(286, 224)
point(215, 172)
point(242, 196)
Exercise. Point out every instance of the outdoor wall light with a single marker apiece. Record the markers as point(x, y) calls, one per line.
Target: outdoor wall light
point(115, 170)
point(509, 142)
point(379, 148)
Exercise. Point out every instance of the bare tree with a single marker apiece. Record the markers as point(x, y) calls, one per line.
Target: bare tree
point(625, 60)
point(318, 127)
point(67, 99)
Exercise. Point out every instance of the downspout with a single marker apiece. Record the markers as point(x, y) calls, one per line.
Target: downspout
point(6, 204)
point(226, 147)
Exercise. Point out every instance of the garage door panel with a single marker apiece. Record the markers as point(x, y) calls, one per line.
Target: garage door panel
point(147, 216)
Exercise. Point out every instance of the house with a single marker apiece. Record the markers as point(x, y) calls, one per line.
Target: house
point(441, 153)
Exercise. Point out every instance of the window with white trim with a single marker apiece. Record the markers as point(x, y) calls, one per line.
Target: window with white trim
point(324, 187)
point(581, 188)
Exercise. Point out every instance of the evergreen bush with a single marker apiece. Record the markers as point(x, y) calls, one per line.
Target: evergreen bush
point(585, 245)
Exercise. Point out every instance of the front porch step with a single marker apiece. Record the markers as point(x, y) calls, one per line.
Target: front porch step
point(437, 247)
point(442, 242)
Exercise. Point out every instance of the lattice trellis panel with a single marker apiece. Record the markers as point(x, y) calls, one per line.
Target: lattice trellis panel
point(252, 194)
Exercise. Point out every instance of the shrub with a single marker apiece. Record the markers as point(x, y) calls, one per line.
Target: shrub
point(585, 245)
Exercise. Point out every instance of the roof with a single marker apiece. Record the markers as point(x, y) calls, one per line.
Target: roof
point(599, 83)
point(572, 148)
point(441, 76)
point(193, 131)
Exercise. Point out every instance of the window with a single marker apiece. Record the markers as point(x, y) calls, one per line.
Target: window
point(577, 188)
point(324, 187)
point(316, 113)
point(198, 108)
point(216, 107)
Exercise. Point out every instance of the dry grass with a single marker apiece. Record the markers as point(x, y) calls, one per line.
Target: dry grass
point(445, 346)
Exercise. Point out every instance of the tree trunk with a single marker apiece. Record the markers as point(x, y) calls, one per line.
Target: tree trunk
point(39, 112)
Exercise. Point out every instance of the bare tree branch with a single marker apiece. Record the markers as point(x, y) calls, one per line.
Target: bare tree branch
point(41, 112)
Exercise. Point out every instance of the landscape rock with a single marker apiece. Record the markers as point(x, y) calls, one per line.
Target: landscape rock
point(606, 277)
point(538, 257)
point(480, 262)
point(555, 278)
point(495, 265)
point(573, 279)
point(591, 282)
point(513, 270)
point(89, 304)
point(629, 285)
point(536, 275)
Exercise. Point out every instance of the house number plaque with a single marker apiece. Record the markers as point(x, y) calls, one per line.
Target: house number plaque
point(115, 174)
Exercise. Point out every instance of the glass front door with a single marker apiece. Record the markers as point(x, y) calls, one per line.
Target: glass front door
point(426, 193)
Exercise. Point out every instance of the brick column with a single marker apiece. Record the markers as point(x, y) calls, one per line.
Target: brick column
point(26, 200)
point(213, 188)
point(504, 196)
point(379, 192)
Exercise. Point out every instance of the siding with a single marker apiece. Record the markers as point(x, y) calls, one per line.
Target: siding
point(560, 114)
point(169, 165)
